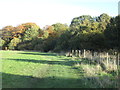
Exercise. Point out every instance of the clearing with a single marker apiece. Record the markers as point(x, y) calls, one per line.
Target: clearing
point(28, 69)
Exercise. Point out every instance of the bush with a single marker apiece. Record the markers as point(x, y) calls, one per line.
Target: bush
point(26, 45)
point(13, 43)
point(2, 43)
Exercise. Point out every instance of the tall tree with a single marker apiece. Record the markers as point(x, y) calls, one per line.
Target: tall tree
point(112, 33)
point(31, 31)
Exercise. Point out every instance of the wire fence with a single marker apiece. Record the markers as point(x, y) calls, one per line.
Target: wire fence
point(109, 60)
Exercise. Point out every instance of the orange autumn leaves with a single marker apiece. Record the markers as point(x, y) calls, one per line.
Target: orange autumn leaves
point(10, 31)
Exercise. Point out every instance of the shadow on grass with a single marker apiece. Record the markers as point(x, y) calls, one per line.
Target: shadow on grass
point(39, 53)
point(20, 81)
point(68, 63)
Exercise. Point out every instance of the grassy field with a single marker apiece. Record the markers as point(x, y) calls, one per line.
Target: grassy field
point(27, 69)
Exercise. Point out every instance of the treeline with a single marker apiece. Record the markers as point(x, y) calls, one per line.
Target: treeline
point(85, 32)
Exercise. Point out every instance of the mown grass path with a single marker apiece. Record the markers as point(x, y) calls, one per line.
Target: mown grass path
point(22, 69)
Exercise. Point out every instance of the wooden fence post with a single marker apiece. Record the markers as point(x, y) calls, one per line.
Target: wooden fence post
point(6, 48)
point(107, 59)
point(76, 53)
point(117, 60)
point(72, 52)
point(99, 60)
point(84, 54)
point(114, 63)
point(91, 55)
point(79, 53)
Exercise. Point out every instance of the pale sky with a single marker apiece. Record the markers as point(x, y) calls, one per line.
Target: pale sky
point(48, 12)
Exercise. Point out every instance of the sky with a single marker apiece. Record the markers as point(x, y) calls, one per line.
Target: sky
point(119, 8)
point(48, 12)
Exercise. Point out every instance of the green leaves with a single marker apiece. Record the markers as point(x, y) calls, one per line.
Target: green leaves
point(112, 33)
point(84, 32)
point(32, 31)
point(13, 43)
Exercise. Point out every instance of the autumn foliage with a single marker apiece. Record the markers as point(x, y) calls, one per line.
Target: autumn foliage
point(84, 32)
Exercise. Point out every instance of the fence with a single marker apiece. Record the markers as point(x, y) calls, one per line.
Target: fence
point(109, 60)
point(103, 61)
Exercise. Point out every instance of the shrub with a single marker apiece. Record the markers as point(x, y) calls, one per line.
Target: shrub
point(2, 43)
point(13, 43)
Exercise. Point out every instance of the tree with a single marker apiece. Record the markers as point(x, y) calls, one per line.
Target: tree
point(7, 33)
point(81, 23)
point(13, 43)
point(2, 43)
point(31, 31)
point(63, 42)
point(48, 31)
point(112, 33)
point(104, 18)
point(60, 28)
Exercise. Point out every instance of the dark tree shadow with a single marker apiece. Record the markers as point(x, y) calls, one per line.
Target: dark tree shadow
point(66, 62)
point(44, 54)
point(21, 81)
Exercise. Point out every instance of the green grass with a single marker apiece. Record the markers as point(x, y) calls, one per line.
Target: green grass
point(27, 69)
